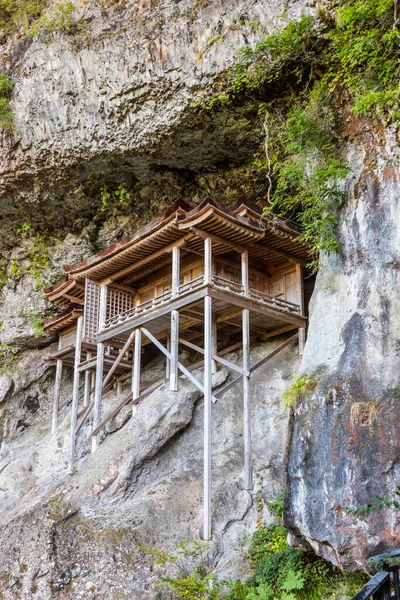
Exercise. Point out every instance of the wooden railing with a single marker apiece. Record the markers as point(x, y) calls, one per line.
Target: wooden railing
point(190, 286)
point(385, 584)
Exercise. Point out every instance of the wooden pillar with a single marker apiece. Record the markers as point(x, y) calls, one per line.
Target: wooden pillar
point(173, 377)
point(167, 361)
point(207, 261)
point(248, 479)
point(75, 394)
point(56, 397)
point(119, 387)
point(214, 343)
point(208, 348)
point(136, 364)
point(300, 292)
point(86, 393)
point(207, 414)
point(98, 388)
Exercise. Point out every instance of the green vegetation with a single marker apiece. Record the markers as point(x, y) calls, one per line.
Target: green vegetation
point(6, 116)
point(298, 77)
point(35, 320)
point(302, 384)
point(37, 261)
point(279, 572)
point(6, 358)
point(58, 19)
point(114, 201)
point(18, 14)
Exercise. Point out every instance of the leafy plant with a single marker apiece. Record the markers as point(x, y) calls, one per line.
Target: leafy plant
point(296, 76)
point(378, 503)
point(192, 579)
point(6, 115)
point(18, 14)
point(58, 19)
point(302, 384)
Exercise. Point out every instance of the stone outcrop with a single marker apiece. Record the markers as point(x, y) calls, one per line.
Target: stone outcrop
point(345, 438)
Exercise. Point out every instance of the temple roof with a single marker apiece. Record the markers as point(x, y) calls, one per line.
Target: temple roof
point(244, 227)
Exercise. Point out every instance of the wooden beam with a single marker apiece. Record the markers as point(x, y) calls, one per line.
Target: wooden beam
point(148, 259)
point(215, 357)
point(84, 416)
point(230, 314)
point(289, 257)
point(56, 396)
point(185, 371)
point(281, 347)
point(75, 395)
point(74, 299)
point(270, 334)
point(119, 358)
point(215, 238)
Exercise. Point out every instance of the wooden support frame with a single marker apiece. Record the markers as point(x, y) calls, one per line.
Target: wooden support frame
point(75, 394)
point(248, 479)
point(56, 396)
point(137, 357)
point(99, 368)
point(207, 417)
point(215, 357)
point(259, 364)
point(300, 283)
point(183, 369)
point(119, 358)
point(174, 339)
point(88, 377)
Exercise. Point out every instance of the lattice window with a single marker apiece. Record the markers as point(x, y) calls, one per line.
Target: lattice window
point(118, 301)
point(92, 309)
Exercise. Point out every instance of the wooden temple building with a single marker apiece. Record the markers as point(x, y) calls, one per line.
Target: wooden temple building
point(206, 279)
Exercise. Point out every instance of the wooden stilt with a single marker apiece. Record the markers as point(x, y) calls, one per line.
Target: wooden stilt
point(173, 382)
point(173, 375)
point(208, 351)
point(98, 387)
point(167, 361)
point(214, 344)
point(56, 397)
point(75, 394)
point(248, 483)
point(86, 393)
point(207, 414)
point(300, 300)
point(136, 364)
point(119, 388)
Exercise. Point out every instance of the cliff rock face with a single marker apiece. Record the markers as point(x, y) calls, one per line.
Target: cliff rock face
point(116, 106)
point(345, 439)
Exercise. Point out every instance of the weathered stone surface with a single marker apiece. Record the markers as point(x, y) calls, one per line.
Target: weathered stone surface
point(345, 438)
point(120, 109)
point(79, 534)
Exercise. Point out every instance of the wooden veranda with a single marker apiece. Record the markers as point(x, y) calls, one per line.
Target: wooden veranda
point(206, 279)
